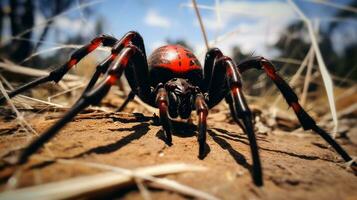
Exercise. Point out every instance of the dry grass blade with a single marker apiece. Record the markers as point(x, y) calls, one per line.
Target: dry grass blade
point(296, 75)
point(94, 184)
point(8, 85)
point(49, 99)
point(19, 116)
point(41, 101)
point(67, 46)
point(143, 189)
point(335, 5)
point(213, 8)
point(201, 24)
point(177, 187)
point(350, 109)
point(32, 72)
point(307, 78)
point(323, 69)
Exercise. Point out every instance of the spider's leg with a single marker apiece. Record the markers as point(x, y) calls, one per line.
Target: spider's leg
point(202, 112)
point(129, 98)
point(91, 97)
point(242, 112)
point(57, 74)
point(134, 82)
point(226, 79)
point(132, 38)
point(211, 56)
point(291, 98)
point(163, 104)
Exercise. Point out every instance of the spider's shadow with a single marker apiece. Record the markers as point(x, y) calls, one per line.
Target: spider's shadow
point(244, 140)
point(182, 129)
point(138, 131)
point(221, 141)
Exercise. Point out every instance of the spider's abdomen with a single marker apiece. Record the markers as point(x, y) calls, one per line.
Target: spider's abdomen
point(174, 61)
point(175, 58)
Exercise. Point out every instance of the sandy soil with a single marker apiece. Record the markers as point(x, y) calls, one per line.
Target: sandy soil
point(296, 166)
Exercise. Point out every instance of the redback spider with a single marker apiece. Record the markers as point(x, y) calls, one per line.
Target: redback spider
point(174, 82)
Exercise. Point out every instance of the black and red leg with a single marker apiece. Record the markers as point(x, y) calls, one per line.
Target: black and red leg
point(226, 83)
point(211, 57)
point(92, 96)
point(136, 39)
point(306, 121)
point(130, 38)
point(57, 74)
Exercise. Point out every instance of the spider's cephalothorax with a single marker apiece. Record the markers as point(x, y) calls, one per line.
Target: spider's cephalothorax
point(174, 82)
point(181, 95)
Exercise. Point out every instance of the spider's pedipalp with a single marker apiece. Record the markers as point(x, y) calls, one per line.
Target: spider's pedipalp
point(163, 104)
point(202, 112)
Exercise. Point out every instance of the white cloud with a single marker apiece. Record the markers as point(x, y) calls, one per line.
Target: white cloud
point(231, 11)
point(153, 18)
point(75, 26)
point(255, 25)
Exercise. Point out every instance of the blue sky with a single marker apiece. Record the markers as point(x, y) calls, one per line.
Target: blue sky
point(252, 25)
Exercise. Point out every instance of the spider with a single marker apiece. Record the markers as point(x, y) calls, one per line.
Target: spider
point(174, 82)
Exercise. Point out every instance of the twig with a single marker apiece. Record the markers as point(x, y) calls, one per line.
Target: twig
point(33, 72)
point(335, 5)
point(201, 24)
point(350, 109)
point(66, 91)
point(307, 78)
point(142, 188)
point(296, 75)
point(3, 79)
point(63, 46)
point(82, 186)
point(19, 116)
point(7, 83)
point(41, 101)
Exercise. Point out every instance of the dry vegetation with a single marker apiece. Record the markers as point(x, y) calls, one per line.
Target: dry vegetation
point(107, 154)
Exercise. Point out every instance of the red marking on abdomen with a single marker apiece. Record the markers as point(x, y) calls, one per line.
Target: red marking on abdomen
point(174, 58)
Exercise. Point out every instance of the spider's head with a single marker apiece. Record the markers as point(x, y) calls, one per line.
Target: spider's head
point(181, 97)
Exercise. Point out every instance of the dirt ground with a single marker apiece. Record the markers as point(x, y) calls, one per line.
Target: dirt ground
point(296, 165)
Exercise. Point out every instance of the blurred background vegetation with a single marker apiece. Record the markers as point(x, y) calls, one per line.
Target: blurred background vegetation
point(18, 26)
